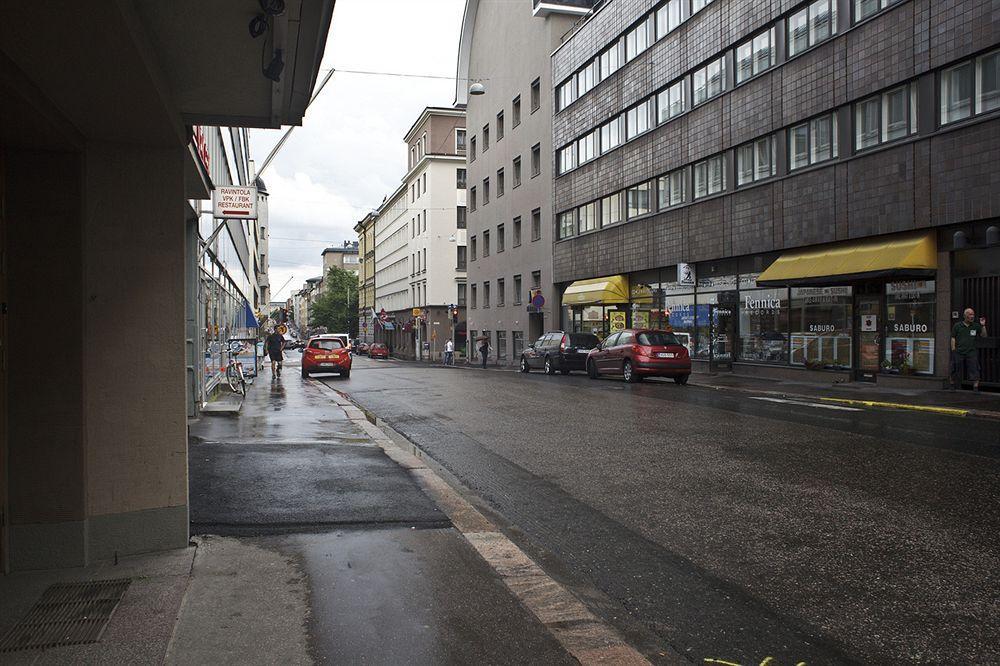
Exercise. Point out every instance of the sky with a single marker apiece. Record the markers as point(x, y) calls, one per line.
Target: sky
point(349, 152)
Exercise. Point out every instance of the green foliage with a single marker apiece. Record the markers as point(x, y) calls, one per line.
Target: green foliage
point(337, 307)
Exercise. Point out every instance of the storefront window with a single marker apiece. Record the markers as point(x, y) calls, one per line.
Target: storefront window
point(909, 334)
point(678, 312)
point(646, 298)
point(764, 325)
point(820, 319)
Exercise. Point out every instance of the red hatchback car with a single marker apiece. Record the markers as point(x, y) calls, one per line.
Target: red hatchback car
point(638, 353)
point(378, 350)
point(326, 354)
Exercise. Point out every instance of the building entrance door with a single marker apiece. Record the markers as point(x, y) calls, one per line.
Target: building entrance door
point(867, 336)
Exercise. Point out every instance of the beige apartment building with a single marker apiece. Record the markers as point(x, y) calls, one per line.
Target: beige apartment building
point(504, 51)
point(366, 277)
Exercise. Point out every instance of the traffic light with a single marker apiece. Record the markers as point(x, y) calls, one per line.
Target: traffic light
point(454, 313)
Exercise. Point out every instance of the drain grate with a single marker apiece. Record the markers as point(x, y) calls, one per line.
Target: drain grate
point(67, 614)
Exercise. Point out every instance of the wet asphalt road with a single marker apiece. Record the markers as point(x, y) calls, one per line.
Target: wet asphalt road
point(728, 527)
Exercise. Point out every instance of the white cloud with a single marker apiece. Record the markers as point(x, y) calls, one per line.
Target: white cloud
point(349, 153)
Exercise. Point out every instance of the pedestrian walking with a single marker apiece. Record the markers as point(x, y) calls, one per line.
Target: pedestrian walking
point(275, 344)
point(449, 353)
point(964, 355)
point(484, 349)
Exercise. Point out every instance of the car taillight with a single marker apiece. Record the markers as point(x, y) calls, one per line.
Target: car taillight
point(563, 342)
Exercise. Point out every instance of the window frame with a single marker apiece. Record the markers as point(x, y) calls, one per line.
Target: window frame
point(536, 94)
point(515, 112)
point(768, 143)
point(704, 71)
point(708, 163)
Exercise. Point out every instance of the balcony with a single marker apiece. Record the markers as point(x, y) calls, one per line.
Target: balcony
point(570, 7)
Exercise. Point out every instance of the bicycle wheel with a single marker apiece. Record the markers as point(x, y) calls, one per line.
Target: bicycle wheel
point(234, 377)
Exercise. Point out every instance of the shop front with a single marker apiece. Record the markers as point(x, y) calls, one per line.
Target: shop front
point(864, 309)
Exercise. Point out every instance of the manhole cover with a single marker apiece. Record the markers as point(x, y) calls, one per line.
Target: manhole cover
point(67, 614)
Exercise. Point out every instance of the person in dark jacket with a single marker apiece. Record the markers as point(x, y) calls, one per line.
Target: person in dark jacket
point(484, 349)
point(964, 355)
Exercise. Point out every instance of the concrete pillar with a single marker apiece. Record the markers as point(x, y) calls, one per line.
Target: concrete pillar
point(133, 354)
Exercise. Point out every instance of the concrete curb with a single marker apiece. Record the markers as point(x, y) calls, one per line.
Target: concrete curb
point(947, 411)
point(581, 633)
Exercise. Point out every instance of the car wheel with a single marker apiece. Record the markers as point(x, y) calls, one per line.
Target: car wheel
point(681, 379)
point(346, 374)
point(524, 365)
point(549, 370)
point(628, 373)
point(305, 374)
point(592, 370)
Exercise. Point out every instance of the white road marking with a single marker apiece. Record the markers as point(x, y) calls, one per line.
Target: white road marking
point(807, 404)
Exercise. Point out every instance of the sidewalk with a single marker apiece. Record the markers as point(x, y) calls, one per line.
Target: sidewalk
point(322, 540)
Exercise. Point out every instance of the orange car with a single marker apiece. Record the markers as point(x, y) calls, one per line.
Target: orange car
point(326, 354)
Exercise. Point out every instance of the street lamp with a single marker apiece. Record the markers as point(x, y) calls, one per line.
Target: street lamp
point(477, 88)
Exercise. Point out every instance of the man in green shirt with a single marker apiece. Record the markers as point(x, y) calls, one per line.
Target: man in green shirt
point(963, 349)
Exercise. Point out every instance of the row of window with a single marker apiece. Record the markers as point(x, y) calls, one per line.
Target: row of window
point(807, 26)
point(501, 235)
point(501, 291)
point(881, 118)
point(501, 180)
point(515, 112)
point(654, 26)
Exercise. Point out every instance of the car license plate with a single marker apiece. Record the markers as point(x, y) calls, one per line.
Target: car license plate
point(665, 354)
point(326, 365)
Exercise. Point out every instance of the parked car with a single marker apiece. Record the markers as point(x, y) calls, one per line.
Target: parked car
point(326, 354)
point(559, 351)
point(362, 348)
point(638, 353)
point(378, 350)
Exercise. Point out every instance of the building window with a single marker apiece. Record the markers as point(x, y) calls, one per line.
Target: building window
point(486, 243)
point(865, 8)
point(970, 88)
point(755, 55)
point(637, 40)
point(672, 102)
point(474, 295)
point(638, 201)
point(517, 290)
point(709, 80)
point(587, 217)
point(472, 199)
point(472, 149)
point(812, 142)
point(486, 294)
point(672, 189)
point(517, 232)
point(461, 295)
point(668, 17)
point(611, 209)
point(587, 147)
point(462, 258)
point(638, 119)
point(709, 176)
point(567, 224)
point(472, 246)
point(486, 137)
point(764, 325)
point(611, 133)
point(567, 158)
point(885, 117)
point(698, 5)
point(611, 60)
point(501, 345)
point(820, 326)
point(486, 191)
point(811, 25)
point(517, 171)
point(500, 183)
point(515, 112)
point(501, 238)
point(500, 127)
point(460, 179)
point(755, 161)
point(566, 93)
point(460, 218)
point(536, 279)
point(501, 295)
point(910, 321)
point(536, 224)
point(536, 94)
point(536, 160)
point(459, 140)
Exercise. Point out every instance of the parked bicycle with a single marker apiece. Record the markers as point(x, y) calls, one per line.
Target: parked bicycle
point(234, 368)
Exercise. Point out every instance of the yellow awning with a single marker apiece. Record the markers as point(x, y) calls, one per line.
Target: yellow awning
point(597, 291)
point(903, 255)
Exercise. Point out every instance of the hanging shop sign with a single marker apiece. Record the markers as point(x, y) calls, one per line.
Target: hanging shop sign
point(685, 275)
point(235, 202)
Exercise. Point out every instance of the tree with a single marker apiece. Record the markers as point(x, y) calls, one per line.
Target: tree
point(337, 307)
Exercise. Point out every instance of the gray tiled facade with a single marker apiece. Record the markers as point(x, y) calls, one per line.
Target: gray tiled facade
point(935, 177)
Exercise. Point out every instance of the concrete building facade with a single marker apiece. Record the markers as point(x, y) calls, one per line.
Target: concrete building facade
point(506, 47)
point(366, 277)
point(793, 187)
point(97, 166)
point(345, 258)
point(420, 240)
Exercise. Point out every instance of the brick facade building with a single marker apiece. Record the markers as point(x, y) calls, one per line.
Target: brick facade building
point(751, 144)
